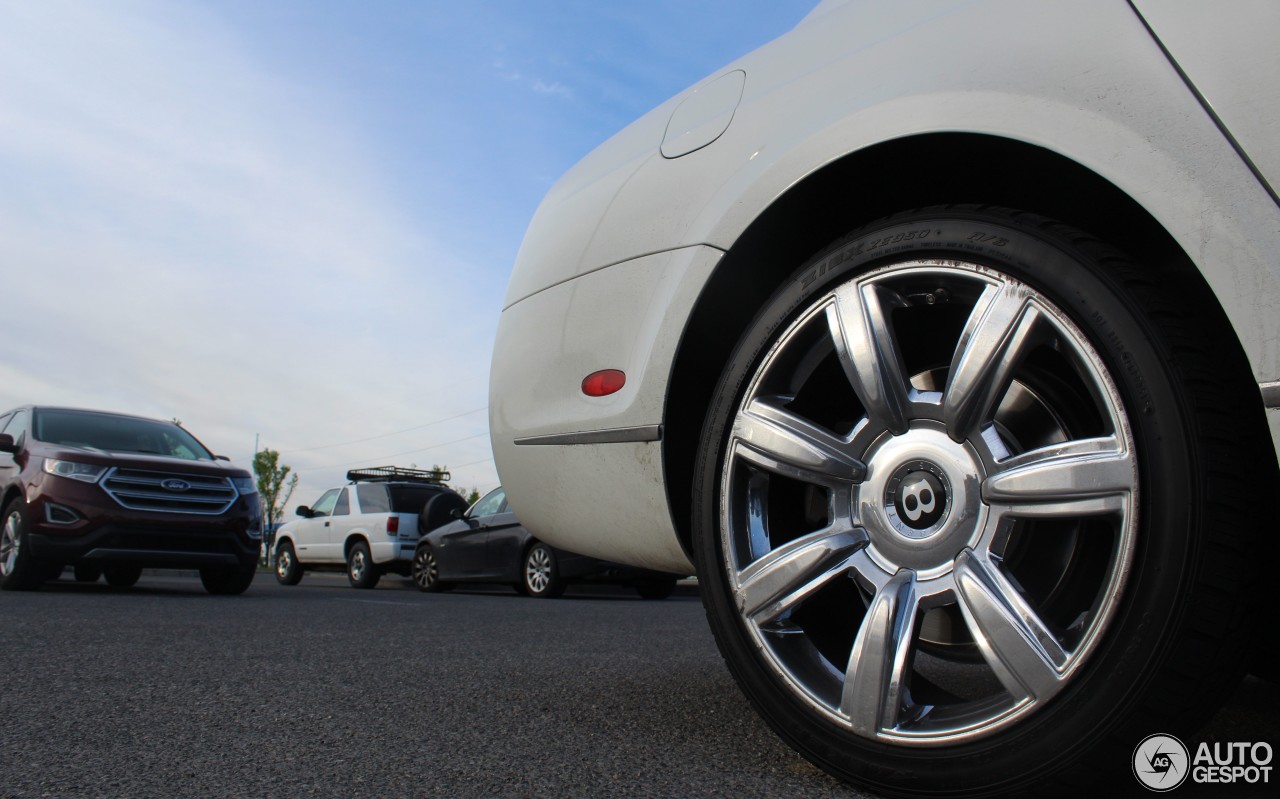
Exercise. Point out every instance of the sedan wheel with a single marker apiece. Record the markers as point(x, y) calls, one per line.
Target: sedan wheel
point(542, 573)
point(426, 571)
point(924, 492)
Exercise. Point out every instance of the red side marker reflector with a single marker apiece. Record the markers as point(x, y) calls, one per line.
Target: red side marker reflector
point(603, 383)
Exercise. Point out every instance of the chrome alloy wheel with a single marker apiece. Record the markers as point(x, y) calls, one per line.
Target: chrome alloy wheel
point(426, 573)
point(928, 503)
point(284, 562)
point(537, 570)
point(10, 544)
point(359, 565)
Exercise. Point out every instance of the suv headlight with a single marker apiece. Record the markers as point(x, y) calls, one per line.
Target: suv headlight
point(245, 485)
point(85, 472)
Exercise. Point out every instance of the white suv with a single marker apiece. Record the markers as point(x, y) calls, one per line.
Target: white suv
point(368, 527)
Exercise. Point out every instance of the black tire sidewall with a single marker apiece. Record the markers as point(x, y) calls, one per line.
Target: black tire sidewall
point(292, 575)
point(229, 580)
point(1092, 718)
point(422, 553)
point(26, 574)
point(371, 575)
point(121, 575)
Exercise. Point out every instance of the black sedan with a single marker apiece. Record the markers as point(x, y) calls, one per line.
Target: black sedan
point(487, 544)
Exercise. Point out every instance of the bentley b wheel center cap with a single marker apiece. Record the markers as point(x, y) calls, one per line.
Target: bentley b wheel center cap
point(921, 502)
point(917, 499)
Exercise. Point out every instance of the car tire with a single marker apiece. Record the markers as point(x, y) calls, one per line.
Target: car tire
point(229, 580)
point(121, 575)
point(19, 569)
point(362, 572)
point(541, 573)
point(967, 509)
point(288, 570)
point(656, 589)
point(426, 571)
point(87, 572)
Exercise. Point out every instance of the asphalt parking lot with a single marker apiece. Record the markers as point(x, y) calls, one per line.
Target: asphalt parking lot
point(320, 690)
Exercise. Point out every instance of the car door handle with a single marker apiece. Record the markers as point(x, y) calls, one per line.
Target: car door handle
point(326, 524)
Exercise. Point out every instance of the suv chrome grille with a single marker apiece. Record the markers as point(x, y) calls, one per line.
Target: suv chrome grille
point(140, 489)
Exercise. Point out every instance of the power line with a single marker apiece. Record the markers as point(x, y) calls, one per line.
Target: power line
point(384, 435)
point(393, 433)
point(396, 455)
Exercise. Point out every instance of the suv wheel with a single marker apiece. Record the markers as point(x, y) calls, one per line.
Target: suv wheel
point(542, 573)
point(958, 512)
point(362, 572)
point(121, 575)
point(87, 572)
point(19, 571)
point(228, 580)
point(288, 570)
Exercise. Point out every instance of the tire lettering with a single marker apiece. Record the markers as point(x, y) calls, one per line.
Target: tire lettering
point(988, 238)
point(858, 248)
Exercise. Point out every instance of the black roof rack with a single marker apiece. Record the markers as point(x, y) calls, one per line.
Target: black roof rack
point(398, 474)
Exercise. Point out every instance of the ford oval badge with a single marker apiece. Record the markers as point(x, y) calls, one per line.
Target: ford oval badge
point(176, 485)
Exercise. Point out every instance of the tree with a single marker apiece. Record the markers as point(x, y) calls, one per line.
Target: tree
point(470, 495)
point(274, 481)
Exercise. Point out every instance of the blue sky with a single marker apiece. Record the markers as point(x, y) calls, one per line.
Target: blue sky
point(294, 219)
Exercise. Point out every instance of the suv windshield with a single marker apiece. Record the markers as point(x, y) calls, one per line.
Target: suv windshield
point(117, 434)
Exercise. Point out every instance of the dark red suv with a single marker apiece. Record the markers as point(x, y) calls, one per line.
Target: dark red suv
point(110, 494)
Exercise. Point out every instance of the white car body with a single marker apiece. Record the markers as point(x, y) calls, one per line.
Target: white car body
point(631, 242)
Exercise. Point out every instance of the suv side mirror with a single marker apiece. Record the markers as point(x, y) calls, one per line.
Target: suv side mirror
point(303, 511)
point(458, 513)
point(7, 444)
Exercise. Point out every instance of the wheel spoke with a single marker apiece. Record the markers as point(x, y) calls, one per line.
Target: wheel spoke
point(1078, 478)
point(864, 341)
point(786, 444)
point(876, 676)
point(998, 331)
point(1016, 644)
point(786, 576)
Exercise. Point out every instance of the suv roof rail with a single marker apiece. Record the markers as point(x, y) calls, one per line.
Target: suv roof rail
point(398, 474)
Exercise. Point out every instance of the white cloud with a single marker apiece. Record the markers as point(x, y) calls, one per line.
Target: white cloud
point(184, 234)
point(554, 87)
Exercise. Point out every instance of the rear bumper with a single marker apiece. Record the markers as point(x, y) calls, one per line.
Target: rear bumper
point(389, 553)
point(547, 435)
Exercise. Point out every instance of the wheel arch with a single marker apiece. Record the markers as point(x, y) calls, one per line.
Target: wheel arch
point(9, 496)
point(897, 175)
point(351, 541)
